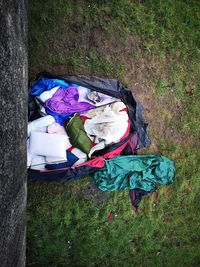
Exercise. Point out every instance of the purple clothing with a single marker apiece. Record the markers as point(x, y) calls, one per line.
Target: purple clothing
point(66, 102)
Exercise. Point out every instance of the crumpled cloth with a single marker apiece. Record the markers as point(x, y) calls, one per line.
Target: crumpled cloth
point(117, 106)
point(132, 172)
point(40, 124)
point(67, 102)
point(108, 124)
point(48, 94)
point(46, 84)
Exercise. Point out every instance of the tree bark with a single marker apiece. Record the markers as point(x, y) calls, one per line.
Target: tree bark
point(13, 125)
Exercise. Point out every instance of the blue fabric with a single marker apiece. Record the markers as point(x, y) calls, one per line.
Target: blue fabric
point(59, 118)
point(45, 84)
point(71, 159)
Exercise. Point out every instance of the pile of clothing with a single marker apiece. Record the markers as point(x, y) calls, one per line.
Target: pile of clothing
point(75, 130)
point(75, 122)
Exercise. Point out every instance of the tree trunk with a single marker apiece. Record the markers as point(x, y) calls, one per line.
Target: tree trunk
point(13, 125)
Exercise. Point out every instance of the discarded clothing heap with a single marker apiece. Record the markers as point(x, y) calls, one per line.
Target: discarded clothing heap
point(80, 126)
point(82, 121)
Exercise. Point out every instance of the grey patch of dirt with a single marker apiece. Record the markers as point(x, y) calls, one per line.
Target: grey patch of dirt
point(93, 194)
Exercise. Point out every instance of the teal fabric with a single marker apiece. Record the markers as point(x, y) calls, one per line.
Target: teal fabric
point(131, 172)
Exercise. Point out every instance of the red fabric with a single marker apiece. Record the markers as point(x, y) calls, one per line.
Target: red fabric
point(125, 109)
point(70, 149)
point(97, 162)
point(93, 144)
point(110, 217)
point(84, 118)
point(115, 152)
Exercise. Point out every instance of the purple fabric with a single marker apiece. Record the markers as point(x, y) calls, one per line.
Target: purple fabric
point(66, 102)
point(136, 196)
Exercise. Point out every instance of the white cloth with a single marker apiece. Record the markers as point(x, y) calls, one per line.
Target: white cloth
point(79, 154)
point(43, 111)
point(54, 160)
point(94, 112)
point(98, 146)
point(107, 125)
point(38, 163)
point(56, 128)
point(53, 145)
point(29, 156)
point(41, 108)
point(47, 94)
point(104, 99)
point(116, 107)
point(40, 124)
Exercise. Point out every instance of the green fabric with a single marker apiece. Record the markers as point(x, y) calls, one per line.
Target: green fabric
point(77, 134)
point(131, 172)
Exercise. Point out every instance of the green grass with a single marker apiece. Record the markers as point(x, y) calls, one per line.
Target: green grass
point(154, 43)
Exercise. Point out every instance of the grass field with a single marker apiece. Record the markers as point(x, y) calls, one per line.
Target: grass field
point(153, 47)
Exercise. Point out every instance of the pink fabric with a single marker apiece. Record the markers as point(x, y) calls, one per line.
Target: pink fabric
point(115, 152)
point(133, 142)
point(56, 128)
point(97, 162)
